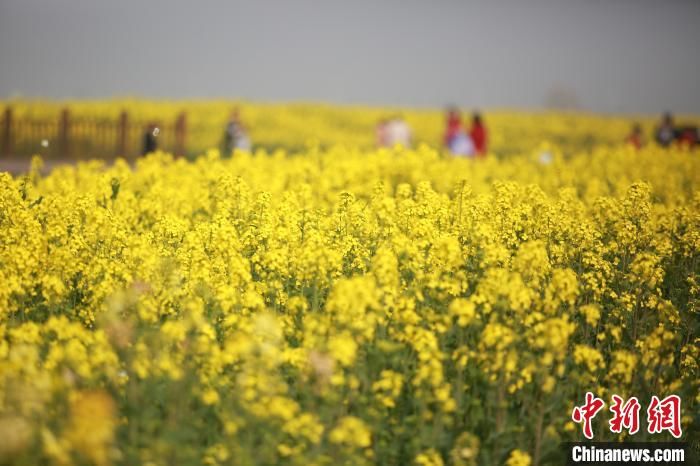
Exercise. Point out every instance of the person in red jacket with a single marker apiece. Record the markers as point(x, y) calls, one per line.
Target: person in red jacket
point(636, 138)
point(453, 124)
point(479, 135)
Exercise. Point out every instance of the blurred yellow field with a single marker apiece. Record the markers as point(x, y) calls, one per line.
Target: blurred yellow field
point(297, 126)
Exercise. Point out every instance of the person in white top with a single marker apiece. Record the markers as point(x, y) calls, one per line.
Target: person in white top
point(461, 144)
point(235, 135)
point(398, 132)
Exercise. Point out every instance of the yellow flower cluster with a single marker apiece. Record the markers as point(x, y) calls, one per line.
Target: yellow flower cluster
point(342, 306)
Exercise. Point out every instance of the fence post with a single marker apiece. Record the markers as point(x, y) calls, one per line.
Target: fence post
point(180, 134)
point(64, 133)
point(7, 133)
point(122, 132)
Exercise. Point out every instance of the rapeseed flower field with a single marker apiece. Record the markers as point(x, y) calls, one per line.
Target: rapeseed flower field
point(301, 126)
point(344, 305)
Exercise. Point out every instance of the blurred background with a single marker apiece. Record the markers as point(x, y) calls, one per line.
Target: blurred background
point(634, 58)
point(601, 55)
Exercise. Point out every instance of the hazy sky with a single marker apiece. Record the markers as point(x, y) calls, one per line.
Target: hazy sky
point(615, 55)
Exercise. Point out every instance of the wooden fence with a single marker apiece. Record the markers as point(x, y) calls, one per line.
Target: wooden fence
point(74, 138)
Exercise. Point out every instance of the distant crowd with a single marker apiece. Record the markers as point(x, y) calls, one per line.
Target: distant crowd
point(460, 139)
point(667, 133)
point(235, 136)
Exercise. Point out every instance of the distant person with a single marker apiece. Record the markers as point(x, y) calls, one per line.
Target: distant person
point(461, 144)
point(398, 132)
point(456, 138)
point(479, 135)
point(636, 138)
point(382, 133)
point(688, 135)
point(453, 125)
point(665, 132)
point(150, 139)
point(235, 135)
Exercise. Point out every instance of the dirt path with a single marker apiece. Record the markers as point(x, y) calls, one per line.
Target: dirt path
point(20, 165)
